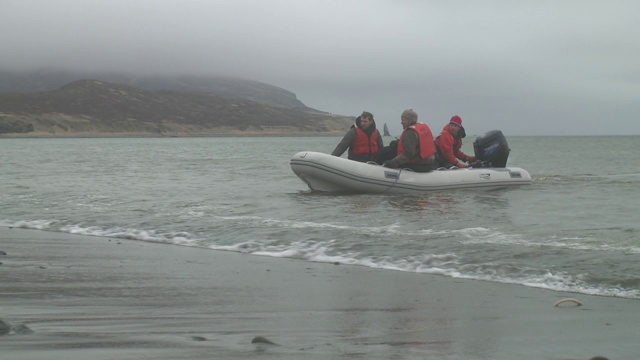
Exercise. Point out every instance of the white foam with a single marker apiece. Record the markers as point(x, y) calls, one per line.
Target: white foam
point(29, 224)
point(392, 229)
point(572, 243)
point(447, 264)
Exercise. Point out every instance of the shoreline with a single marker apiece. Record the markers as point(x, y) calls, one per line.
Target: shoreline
point(133, 135)
point(108, 298)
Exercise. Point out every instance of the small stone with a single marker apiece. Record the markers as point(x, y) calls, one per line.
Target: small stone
point(262, 340)
point(21, 329)
point(5, 327)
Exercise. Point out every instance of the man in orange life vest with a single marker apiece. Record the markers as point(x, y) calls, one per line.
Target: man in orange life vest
point(415, 147)
point(363, 140)
point(449, 143)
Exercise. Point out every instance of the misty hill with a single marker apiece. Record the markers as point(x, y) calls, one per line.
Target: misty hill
point(48, 80)
point(92, 107)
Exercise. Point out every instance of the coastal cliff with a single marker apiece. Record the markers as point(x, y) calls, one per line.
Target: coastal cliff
point(99, 108)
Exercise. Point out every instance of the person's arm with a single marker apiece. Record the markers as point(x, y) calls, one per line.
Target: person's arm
point(380, 142)
point(464, 157)
point(445, 145)
point(344, 144)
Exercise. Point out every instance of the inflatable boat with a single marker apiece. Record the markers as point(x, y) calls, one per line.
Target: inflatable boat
point(327, 173)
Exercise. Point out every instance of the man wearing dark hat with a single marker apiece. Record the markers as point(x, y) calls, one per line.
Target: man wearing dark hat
point(415, 147)
point(449, 143)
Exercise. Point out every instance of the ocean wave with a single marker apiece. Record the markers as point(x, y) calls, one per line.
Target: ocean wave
point(29, 224)
point(392, 229)
point(437, 264)
point(447, 264)
point(177, 238)
point(599, 179)
point(571, 243)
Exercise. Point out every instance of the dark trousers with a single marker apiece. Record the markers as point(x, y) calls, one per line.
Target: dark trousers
point(387, 153)
point(420, 167)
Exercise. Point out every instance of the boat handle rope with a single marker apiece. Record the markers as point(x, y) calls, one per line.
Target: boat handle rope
point(394, 183)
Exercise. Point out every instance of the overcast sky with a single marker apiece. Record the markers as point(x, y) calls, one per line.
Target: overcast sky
point(526, 67)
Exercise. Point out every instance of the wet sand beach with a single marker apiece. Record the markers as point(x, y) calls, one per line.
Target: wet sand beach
point(104, 298)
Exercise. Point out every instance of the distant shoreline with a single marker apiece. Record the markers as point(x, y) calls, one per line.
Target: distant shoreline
point(128, 135)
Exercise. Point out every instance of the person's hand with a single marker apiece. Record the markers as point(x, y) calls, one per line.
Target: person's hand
point(471, 159)
point(461, 165)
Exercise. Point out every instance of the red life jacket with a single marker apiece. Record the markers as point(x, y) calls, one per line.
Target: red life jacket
point(425, 141)
point(364, 145)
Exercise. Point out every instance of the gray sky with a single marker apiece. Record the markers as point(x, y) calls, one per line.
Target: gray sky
point(526, 67)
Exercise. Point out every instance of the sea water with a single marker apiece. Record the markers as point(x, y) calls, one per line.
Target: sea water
point(574, 229)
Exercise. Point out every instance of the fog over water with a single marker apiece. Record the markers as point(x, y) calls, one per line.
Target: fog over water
point(526, 67)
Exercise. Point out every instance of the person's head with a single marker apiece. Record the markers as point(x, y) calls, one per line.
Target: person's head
point(408, 118)
point(455, 124)
point(366, 119)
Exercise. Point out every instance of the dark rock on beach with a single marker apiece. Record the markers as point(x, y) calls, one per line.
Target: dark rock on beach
point(262, 340)
point(5, 327)
point(21, 329)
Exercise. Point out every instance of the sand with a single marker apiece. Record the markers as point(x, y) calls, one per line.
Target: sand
point(105, 298)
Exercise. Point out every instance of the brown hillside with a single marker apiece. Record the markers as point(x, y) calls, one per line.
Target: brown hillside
point(90, 107)
point(41, 80)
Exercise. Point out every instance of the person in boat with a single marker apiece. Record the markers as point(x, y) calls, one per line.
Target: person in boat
point(449, 145)
point(363, 140)
point(416, 150)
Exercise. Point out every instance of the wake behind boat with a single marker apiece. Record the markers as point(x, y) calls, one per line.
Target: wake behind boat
point(327, 173)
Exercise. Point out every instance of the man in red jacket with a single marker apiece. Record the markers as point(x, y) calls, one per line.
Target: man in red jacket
point(449, 145)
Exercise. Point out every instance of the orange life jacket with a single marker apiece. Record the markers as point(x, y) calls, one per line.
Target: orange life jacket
point(425, 141)
point(364, 145)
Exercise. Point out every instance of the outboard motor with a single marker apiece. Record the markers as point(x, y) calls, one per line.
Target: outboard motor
point(491, 149)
